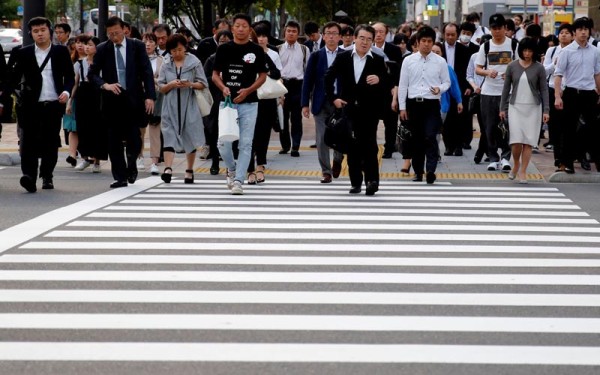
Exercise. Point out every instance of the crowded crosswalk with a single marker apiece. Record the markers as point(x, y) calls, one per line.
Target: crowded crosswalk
point(296, 273)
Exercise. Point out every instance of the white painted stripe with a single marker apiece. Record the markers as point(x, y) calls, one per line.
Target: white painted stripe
point(305, 353)
point(328, 192)
point(337, 227)
point(298, 323)
point(337, 218)
point(293, 297)
point(307, 247)
point(27, 230)
point(353, 199)
point(381, 210)
point(300, 277)
point(497, 237)
point(300, 181)
point(261, 202)
point(286, 260)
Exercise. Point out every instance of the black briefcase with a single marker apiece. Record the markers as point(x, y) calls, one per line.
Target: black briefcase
point(338, 130)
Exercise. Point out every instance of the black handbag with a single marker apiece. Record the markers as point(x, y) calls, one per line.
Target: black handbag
point(338, 130)
point(503, 130)
point(474, 103)
point(403, 133)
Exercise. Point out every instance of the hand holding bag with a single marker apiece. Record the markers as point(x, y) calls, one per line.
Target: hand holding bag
point(229, 128)
point(271, 89)
point(503, 130)
point(338, 130)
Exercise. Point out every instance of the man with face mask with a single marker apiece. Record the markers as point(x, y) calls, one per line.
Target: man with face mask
point(480, 30)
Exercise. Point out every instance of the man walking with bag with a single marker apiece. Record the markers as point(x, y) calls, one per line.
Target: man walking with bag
point(237, 65)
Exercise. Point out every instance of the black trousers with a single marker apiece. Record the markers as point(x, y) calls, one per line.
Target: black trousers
point(390, 121)
point(266, 118)
point(124, 139)
point(425, 123)
point(362, 156)
point(577, 103)
point(40, 138)
point(292, 116)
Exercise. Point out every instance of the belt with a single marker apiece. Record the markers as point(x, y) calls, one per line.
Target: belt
point(291, 80)
point(420, 99)
point(579, 91)
point(47, 102)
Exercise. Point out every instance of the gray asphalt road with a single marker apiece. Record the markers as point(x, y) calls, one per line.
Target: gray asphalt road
point(299, 278)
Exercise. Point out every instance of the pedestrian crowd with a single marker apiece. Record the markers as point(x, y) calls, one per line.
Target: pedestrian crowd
point(425, 85)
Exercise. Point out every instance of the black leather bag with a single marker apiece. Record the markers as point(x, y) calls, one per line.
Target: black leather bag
point(338, 131)
point(503, 130)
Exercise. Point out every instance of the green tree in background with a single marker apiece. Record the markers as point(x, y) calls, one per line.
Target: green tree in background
point(8, 10)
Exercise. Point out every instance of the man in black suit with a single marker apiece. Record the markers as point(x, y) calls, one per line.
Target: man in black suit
point(45, 74)
point(315, 40)
point(456, 125)
point(394, 56)
point(3, 86)
point(123, 72)
point(361, 91)
point(208, 45)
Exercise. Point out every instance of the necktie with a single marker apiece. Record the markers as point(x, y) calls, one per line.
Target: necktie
point(121, 67)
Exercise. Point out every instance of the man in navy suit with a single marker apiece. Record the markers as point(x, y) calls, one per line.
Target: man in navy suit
point(313, 87)
point(123, 72)
point(45, 75)
point(362, 84)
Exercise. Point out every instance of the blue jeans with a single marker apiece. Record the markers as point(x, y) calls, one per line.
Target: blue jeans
point(247, 120)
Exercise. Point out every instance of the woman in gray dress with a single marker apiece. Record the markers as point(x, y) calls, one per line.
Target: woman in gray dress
point(525, 96)
point(182, 127)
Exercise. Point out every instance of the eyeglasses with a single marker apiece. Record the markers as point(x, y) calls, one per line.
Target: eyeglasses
point(332, 33)
point(114, 33)
point(365, 39)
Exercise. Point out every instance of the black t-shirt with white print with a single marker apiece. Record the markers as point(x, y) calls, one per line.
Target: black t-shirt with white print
point(239, 65)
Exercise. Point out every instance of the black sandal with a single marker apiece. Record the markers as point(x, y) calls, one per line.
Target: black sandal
point(166, 177)
point(253, 181)
point(189, 180)
point(260, 178)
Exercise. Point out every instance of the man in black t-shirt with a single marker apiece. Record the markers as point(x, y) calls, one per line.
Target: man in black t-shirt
point(240, 69)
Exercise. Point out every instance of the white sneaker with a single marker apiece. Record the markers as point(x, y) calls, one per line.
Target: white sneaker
point(154, 170)
point(83, 164)
point(96, 168)
point(230, 178)
point(493, 166)
point(236, 189)
point(140, 164)
point(505, 166)
point(203, 151)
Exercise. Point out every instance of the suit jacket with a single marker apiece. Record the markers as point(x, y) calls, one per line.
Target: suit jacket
point(138, 71)
point(3, 77)
point(27, 71)
point(314, 80)
point(362, 95)
point(310, 44)
point(206, 47)
point(394, 55)
point(462, 55)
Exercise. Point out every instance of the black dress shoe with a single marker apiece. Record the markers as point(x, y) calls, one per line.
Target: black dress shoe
point(71, 160)
point(214, 171)
point(28, 183)
point(585, 165)
point(467, 146)
point(355, 190)
point(387, 154)
point(284, 151)
point(418, 178)
point(118, 184)
point(336, 168)
point(458, 152)
point(477, 158)
point(448, 153)
point(313, 146)
point(294, 153)
point(372, 188)
point(430, 177)
point(132, 177)
point(47, 183)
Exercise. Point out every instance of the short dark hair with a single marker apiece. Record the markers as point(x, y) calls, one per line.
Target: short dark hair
point(262, 30)
point(510, 25)
point(221, 21)
point(345, 19)
point(226, 33)
point(150, 36)
point(533, 30)
point(348, 30)
point(367, 28)
point(451, 24)
point(583, 23)
point(292, 24)
point(95, 40)
point(331, 24)
point(400, 38)
point(126, 25)
point(174, 40)
point(552, 38)
point(37, 21)
point(113, 21)
point(184, 31)
point(467, 26)
point(473, 16)
point(426, 32)
point(162, 27)
point(566, 26)
point(519, 17)
point(530, 44)
point(242, 16)
point(65, 26)
point(311, 27)
point(83, 38)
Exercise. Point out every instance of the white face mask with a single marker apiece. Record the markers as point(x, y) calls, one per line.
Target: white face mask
point(476, 24)
point(465, 38)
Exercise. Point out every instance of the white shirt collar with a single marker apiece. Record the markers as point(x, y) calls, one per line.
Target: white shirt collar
point(292, 46)
point(355, 53)
point(38, 49)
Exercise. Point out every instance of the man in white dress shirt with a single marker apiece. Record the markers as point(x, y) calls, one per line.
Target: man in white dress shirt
point(423, 79)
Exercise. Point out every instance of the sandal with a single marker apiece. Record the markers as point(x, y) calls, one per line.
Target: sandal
point(166, 177)
point(406, 170)
point(260, 178)
point(187, 180)
point(251, 178)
